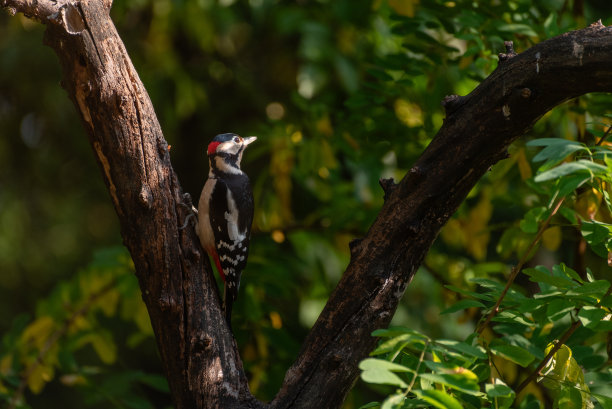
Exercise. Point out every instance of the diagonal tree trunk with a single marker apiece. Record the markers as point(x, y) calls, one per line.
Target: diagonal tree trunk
point(197, 349)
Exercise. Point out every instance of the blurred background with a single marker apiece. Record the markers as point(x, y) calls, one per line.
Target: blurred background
point(340, 93)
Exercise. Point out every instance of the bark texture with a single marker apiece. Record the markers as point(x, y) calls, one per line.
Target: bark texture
point(198, 351)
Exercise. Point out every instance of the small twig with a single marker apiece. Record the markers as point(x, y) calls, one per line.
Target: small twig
point(605, 135)
point(416, 374)
point(517, 269)
point(41, 10)
point(575, 325)
point(436, 275)
point(53, 338)
point(550, 354)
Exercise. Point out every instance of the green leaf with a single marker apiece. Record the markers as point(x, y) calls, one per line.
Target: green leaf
point(523, 29)
point(103, 344)
point(541, 274)
point(462, 380)
point(604, 401)
point(596, 288)
point(395, 331)
point(564, 378)
point(481, 296)
point(567, 271)
point(393, 402)
point(513, 353)
point(380, 74)
point(498, 390)
point(569, 214)
point(500, 393)
point(559, 308)
point(591, 316)
point(569, 184)
point(381, 372)
point(157, 382)
point(598, 235)
point(555, 149)
point(393, 345)
point(370, 405)
point(475, 351)
point(531, 221)
point(584, 166)
point(462, 305)
point(439, 399)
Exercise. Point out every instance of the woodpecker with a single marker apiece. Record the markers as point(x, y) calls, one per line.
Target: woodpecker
point(225, 213)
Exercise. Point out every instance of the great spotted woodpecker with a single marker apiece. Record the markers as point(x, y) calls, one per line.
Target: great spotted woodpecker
point(225, 212)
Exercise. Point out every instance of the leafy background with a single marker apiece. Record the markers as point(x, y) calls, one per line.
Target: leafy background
point(340, 93)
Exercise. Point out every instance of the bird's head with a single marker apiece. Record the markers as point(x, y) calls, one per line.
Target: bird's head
point(225, 152)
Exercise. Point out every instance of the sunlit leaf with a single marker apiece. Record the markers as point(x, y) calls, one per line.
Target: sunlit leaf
point(591, 316)
point(513, 353)
point(381, 371)
point(559, 308)
point(582, 166)
point(462, 380)
point(564, 378)
point(105, 347)
point(596, 288)
point(555, 149)
point(439, 399)
point(39, 376)
point(475, 351)
point(517, 29)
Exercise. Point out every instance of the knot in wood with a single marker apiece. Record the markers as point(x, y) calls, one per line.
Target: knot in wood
point(168, 303)
point(201, 343)
point(72, 20)
point(162, 147)
point(335, 361)
point(354, 246)
point(451, 103)
point(145, 197)
point(526, 93)
point(388, 186)
point(509, 52)
point(417, 170)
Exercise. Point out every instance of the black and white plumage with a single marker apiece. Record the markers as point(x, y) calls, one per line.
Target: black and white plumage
point(225, 212)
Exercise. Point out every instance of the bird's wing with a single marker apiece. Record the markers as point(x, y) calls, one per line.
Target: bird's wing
point(231, 237)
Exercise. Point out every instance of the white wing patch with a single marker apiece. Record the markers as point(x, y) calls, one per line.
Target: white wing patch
point(232, 220)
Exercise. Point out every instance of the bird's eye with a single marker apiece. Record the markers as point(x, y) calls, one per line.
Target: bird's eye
point(236, 139)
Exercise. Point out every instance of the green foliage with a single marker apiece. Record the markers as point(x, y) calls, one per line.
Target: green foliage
point(470, 373)
point(67, 340)
point(340, 93)
point(519, 323)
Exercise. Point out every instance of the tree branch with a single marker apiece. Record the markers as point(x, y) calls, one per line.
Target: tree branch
point(197, 349)
point(475, 135)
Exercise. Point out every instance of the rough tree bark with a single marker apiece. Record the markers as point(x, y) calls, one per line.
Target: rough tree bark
point(197, 349)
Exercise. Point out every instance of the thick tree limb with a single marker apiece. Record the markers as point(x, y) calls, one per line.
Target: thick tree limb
point(475, 135)
point(197, 349)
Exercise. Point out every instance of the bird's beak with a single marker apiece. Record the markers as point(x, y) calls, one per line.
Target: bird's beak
point(249, 140)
